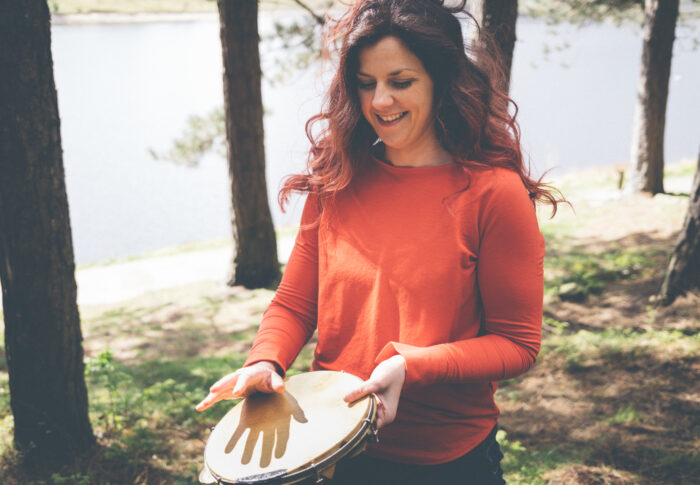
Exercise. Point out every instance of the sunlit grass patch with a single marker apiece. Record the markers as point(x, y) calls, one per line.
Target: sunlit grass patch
point(5, 411)
point(684, 168)
point(626, 414)
point(7, 424)
point(577, 273)
point(523, 466)
point(584, 346)
point(3, 360)
point(180, 323)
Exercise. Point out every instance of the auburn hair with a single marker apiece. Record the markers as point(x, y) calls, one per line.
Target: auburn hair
point(472, 120)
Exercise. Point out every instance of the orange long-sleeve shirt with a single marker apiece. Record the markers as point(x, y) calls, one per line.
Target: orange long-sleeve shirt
point(406, 261)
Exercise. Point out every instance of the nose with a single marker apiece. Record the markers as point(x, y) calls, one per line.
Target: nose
point(382, 97)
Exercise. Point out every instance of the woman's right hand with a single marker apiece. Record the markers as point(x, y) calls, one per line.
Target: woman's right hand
point(259, 377)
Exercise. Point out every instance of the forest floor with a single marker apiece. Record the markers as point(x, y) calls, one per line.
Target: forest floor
point(613, 398)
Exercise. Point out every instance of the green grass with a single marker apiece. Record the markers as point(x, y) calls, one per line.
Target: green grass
point(577, 273)
point(621, 343)
point(523, 466)
point(685, 168)
point(128, 397)
point(627, 414)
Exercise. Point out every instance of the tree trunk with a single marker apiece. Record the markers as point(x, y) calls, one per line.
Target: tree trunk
point(498, 18)
point(647, 170)
point(683, 272)
point(255, 264)
point(42, 326)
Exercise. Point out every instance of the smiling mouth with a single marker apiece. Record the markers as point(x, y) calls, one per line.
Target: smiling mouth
point(391, 119)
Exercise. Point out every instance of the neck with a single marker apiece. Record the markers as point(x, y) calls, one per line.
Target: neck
point(429, 154)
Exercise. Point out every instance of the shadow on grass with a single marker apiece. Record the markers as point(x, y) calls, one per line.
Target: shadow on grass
point(133, 460)
point(623, 399)
point(579, 271)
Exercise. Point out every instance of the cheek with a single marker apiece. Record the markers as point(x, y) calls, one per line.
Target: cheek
point(425, 106)
point(365, 105)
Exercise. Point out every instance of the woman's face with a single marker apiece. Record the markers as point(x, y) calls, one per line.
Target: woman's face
point(396, 95)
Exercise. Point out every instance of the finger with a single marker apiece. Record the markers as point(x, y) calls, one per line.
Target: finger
point(365, 388)
point(212, 398)
point(206, 402)
point(202, 405)
point(226, 382)
point(379, 402)
point(241, 385)
point(384, 416)
point(380, 418)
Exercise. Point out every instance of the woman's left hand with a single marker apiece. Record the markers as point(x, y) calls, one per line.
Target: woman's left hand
point(386, 383)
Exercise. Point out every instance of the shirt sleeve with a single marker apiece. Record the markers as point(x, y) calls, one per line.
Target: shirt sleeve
point(510, 284)
point(290, 320)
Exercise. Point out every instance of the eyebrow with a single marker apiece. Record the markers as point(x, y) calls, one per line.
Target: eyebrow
point(390, 74)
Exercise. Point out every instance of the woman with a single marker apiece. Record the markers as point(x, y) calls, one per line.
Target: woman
point(419, 258)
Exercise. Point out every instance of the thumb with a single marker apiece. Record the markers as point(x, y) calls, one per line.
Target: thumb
point(276, 382)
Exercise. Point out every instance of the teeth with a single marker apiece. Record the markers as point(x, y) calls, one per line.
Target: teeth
point(391, 118)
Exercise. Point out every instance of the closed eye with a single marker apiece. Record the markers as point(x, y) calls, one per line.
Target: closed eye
point(396, 84)
point(402, 84)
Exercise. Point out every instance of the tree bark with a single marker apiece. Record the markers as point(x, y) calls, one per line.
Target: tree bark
point(647, 169)
point(42, 326)
point(255, 264)
point(498, 19)
point(683, 272)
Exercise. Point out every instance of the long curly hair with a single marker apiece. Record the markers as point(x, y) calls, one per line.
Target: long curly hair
point(472, 121)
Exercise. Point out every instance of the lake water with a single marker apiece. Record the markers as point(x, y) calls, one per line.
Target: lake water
point(127, 88)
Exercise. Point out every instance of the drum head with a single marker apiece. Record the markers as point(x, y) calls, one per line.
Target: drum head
point(268, 435)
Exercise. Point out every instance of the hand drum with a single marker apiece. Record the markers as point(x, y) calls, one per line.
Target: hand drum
point(287, 437)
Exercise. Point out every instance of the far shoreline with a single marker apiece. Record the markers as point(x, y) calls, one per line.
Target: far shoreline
point(114, 18)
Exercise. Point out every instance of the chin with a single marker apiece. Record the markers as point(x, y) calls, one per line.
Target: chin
point(393, 144)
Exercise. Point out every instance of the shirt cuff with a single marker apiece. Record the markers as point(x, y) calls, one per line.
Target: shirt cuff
point(277, 363)
point(424, 365)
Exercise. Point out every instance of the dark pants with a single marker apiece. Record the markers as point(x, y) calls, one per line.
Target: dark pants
point(481, 466)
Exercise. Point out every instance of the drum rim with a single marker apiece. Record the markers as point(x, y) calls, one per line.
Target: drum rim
point(313, 468)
